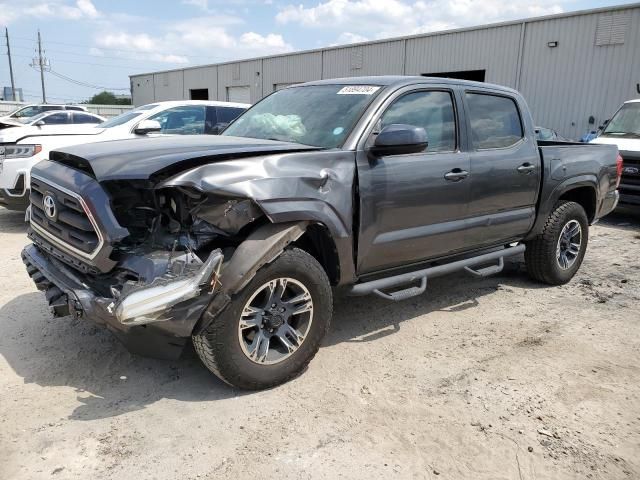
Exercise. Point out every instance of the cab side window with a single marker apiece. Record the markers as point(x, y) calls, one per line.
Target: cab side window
point(495, 121)
point(184, 120)
point(431, 110)
point(60, 118)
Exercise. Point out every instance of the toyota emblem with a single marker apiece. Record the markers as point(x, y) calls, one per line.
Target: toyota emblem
point(49, 204)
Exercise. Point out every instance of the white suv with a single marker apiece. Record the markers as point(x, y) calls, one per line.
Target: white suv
point(21, 148)
point(27, 111)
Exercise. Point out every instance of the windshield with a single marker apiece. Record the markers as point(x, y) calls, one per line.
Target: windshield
point(320, 115)
point(625, 122)
point(119, 120)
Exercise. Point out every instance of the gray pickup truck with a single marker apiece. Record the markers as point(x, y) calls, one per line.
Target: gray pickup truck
point(370, 185)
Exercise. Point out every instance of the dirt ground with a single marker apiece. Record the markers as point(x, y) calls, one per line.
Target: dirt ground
point(499, 378)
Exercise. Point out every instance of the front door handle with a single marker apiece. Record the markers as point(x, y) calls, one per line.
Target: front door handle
point(456, 175)
point(526, 168)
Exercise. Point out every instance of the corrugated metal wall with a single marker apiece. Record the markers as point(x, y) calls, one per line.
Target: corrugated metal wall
point(374, 59)
point(142, 90)
point(567, 84)
point(290, 69)
point(200, 78)
point(492, 49)
point(593, 69)
point(168, 85)
point(240, 74)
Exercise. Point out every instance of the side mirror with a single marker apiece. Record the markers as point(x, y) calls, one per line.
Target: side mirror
point(39, 123)
point(147, 126)
point(399, 139)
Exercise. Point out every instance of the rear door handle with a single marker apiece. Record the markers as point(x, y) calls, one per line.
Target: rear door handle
point(526, 168)
point(456, 175)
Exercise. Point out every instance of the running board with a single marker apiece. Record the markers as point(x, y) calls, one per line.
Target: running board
point(377, 286)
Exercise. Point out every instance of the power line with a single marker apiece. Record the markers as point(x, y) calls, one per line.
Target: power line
point(95, 55)
point(84, 84)
point(129, 67)
point(145, 52)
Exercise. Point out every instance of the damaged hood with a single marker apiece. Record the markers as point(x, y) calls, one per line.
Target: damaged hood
point(141, 158)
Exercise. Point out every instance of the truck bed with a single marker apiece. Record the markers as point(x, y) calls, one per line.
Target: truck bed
point(574, 163)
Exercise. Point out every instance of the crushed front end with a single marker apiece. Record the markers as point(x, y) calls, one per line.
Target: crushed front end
point(127, 255)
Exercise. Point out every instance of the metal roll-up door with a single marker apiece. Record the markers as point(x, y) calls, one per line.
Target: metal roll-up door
point(239, 94)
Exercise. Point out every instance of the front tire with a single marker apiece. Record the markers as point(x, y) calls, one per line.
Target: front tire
point(556, 254)
point(273, 327)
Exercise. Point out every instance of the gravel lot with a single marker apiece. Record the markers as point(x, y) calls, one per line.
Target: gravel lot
point(498, 378)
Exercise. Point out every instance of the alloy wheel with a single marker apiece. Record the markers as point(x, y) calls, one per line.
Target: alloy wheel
point(275, 321)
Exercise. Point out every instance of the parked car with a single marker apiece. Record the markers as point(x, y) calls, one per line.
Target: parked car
point(623, 130)
point(364, 183)
point(27, 111)
point(20, 149)
point(549, 135)
point(47, 119)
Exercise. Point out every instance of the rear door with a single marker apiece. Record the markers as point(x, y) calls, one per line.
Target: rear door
point(505, 169)
point(409, 211)
point(58, 118)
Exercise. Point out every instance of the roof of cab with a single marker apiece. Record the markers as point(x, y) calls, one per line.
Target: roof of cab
point(402, 80)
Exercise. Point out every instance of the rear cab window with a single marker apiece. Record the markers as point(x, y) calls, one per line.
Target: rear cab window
point(494, 120)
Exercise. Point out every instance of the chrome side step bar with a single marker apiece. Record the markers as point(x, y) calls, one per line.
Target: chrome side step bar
point(377, 286)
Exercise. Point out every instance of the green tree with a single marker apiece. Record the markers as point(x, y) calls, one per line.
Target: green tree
point(107, 98)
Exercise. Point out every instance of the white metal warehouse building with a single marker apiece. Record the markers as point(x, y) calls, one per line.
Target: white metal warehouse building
point(574, 69)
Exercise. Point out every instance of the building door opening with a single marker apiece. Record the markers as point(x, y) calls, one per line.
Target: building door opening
point(239, 94)
point(199, 94)
point(475, 75)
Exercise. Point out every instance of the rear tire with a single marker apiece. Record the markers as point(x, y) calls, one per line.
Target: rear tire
point(249, 345)
point(556, 254)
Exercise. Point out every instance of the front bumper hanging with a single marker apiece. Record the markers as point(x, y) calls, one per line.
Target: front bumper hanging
point(140, 316)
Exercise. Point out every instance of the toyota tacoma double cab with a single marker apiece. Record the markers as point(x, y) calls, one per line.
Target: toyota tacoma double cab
point(370, 185)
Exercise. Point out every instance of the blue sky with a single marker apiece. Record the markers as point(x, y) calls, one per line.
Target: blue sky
point(101, 42)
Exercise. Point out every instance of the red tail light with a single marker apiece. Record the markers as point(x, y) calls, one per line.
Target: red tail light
point(618, 170)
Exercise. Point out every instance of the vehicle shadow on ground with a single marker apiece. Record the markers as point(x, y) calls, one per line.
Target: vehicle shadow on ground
point(76, 353)
point(12, 222)
point(623, 217)
point(109, 381)
point(366, 319)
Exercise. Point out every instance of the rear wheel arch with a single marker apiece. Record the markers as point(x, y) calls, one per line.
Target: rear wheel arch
point(583, 195)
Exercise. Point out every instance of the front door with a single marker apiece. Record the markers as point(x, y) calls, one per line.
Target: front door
point(412, 207)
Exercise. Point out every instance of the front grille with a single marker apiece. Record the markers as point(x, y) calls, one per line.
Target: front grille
point(68, 223)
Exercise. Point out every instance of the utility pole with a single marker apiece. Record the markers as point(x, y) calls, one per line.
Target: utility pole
point(42, 64)
point(13, 85)
point(44, 95)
